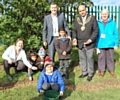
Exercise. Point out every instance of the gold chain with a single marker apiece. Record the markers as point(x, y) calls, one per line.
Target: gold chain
point(79, 22)
point(83, 24)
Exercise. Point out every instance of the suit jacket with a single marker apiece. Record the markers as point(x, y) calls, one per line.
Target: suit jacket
point(90, 32)
point(48, 26)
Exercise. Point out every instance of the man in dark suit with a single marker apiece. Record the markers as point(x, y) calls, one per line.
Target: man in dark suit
point(52, 23)
point(84, 36)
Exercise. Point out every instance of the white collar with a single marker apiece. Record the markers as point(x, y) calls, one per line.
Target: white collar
point(84, 17)
point(48, 73)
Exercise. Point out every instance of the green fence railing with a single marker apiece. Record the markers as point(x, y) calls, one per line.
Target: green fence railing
point(71, 13)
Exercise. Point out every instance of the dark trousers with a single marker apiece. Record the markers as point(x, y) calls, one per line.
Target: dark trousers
point(64, 66)
point(51, 48)
point(106, 55)
point(86, 61)
point(51, 86)
point(18, 66)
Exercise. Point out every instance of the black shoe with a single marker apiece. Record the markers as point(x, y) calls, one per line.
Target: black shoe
point(67, 76)
point(82, 76)
point(89, 78)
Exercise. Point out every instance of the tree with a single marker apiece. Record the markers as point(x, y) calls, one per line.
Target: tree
point(87, 2)
point(23, 19)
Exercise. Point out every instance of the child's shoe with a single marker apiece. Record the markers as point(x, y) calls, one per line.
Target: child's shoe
point(30, 78)
point(67, 76)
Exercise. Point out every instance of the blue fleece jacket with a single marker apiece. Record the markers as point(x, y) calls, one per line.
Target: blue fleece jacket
point(56, 78)
point(108, 35)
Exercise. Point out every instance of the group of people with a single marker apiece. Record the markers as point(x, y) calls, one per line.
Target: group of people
point(88, 34)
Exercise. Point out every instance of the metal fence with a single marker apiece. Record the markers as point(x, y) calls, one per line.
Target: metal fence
point(71, 13)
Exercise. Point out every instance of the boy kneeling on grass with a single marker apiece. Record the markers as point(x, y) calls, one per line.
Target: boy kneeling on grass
point(36, 60)
point(50, 78)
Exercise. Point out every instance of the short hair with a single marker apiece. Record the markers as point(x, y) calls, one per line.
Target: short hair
point(53, 3)
point(105, 10)
point(33, 54)
point(62, 29)
point(19, 39)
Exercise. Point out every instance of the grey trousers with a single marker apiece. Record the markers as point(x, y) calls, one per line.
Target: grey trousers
point(106, 56)
point(63, 66)
point(51, 48)
point(51, 86)
point(86, 61)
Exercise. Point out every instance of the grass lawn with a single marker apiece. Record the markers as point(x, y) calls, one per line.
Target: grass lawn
point(106, 88)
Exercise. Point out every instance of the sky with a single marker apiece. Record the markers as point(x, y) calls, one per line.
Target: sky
point(106, 2)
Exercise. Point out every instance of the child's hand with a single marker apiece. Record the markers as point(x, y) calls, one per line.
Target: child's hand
point(61, 93)
point(41, 91)
point(64, 53)
point(42, 62)
point(34, 68)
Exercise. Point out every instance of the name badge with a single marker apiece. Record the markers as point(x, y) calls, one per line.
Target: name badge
point(103, 35)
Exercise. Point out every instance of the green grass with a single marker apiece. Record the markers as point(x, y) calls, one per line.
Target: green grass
point(1, 52)
point(106, 88)
point(29, 93)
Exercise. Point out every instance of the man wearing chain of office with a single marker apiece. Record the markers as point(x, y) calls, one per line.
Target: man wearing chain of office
point(84, 37)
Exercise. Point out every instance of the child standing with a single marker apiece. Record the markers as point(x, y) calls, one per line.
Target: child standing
point(36, 60)
point(63, 46)
point(50, 78)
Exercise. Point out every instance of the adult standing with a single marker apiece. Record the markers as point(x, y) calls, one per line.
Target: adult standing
point(13, 56)
point(84, 36)
point(52, 23)
point(107, 42)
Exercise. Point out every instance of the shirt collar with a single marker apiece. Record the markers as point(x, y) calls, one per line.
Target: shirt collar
point(84, 17)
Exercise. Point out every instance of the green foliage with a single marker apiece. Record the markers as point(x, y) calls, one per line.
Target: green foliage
point(23, 19)
point(68, 2)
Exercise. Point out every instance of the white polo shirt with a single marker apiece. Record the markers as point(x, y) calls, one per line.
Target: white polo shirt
point(55, 26)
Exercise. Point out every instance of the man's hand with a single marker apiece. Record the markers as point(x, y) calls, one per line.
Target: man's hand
point(88, 41)
point(45, 44)
point(74, 41)
point(69, 38)
point(97, 50)
point(115, 47)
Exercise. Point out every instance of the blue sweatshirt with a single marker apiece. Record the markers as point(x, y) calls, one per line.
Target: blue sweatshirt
point(108, 35)
point(55, 78)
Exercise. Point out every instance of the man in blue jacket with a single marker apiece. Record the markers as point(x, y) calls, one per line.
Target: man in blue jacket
point(107, 42)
